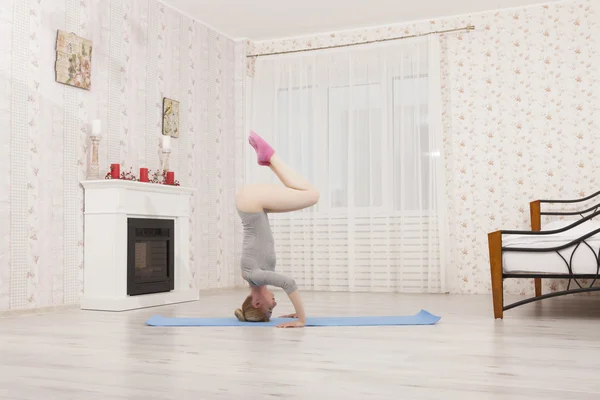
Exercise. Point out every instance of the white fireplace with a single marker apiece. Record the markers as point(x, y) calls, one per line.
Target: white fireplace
point(112, 205)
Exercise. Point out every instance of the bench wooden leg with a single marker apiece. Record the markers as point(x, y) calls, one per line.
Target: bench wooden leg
point(495, 249)
point(538, 287)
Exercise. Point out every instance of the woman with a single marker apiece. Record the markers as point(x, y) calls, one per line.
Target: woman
point(254, 202)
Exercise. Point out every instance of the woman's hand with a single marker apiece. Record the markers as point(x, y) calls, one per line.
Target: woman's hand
point(295, 324)
point(299, 314)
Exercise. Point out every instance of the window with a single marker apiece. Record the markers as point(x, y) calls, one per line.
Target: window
point(366, 146)
point(355, 167)
point(295, 139)
point(411, 144)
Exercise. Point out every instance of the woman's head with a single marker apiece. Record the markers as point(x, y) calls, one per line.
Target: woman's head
point(257, 307)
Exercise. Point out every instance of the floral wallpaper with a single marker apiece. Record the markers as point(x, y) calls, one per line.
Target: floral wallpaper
point(143, 50)
point(5, 178)
point(519, 119)
point(519, 123)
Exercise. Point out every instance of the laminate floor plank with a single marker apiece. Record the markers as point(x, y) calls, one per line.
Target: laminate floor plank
point(548, 350)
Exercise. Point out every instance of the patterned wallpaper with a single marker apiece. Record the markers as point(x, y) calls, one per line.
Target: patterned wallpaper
point(142, 52)
point(520, 119)
point(520, 124)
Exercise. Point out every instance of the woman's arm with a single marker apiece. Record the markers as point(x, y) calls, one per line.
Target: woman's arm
point(298, 306)
point(270, 278)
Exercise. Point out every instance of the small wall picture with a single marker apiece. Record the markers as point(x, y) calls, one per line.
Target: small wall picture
point(170, 117)
point(73, 60)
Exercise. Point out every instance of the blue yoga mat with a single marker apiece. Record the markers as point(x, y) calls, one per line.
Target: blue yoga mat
point(422, 318)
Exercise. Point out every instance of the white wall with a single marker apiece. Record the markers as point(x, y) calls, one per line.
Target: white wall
point(142, 52)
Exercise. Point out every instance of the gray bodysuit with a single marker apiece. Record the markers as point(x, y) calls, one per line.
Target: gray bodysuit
point(258, 253)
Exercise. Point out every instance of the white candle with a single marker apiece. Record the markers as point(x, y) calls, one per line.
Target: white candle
point(96, 127)
point(166, 142)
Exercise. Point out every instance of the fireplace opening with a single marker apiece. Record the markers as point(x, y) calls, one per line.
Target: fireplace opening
point(150, 256)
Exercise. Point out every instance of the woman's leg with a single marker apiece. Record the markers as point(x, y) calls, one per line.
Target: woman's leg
point(274, 198)
point(288, 176)
point(296, 195)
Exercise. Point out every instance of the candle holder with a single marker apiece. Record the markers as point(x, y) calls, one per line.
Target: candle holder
point(94, 167)
point(165, 160)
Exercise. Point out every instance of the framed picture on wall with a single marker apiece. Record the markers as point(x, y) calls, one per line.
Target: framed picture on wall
point(170, 117)
point(73, 60)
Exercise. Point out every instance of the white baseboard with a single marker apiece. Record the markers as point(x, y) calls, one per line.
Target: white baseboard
point(137, 302)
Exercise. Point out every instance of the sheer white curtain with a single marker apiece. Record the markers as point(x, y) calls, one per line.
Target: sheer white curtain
point(362, 124)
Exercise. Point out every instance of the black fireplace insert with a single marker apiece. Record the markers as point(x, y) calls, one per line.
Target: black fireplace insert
point(150, 256)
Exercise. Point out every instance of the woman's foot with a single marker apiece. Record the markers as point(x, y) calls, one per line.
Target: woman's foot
point(264, 151)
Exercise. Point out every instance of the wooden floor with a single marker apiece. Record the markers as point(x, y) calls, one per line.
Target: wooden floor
point(549, 350)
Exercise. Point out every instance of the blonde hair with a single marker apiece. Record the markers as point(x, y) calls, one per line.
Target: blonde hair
point(250, 314)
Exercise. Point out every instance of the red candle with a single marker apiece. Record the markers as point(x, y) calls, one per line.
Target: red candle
point(115, 171)
point(143, 174)
point(170, 177)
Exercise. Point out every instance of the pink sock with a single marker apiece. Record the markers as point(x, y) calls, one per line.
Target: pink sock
point(263, 150)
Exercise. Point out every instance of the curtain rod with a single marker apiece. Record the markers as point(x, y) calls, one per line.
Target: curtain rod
point(466, 28)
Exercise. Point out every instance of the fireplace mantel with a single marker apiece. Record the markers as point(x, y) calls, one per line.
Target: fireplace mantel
point(108, 205)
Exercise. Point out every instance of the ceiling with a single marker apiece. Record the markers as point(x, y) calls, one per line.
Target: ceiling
point(272, 19)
